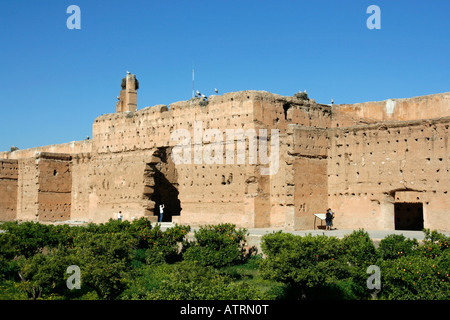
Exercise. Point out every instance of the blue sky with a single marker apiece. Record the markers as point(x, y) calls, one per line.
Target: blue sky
point(56, 81)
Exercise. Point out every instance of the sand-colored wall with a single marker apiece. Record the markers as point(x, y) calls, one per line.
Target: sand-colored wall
point(416, 108)
point(368, 166)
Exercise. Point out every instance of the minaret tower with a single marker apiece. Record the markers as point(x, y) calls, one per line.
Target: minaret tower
point(128, 94)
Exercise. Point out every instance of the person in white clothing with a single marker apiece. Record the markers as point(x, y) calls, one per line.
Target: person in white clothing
point(161, 212)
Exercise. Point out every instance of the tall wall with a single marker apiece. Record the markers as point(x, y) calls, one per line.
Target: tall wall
point(218, 191)
point(126, 142)
point(8, 189)
point(28, 189)
point(372, 167)
point(416, 108)
point(74, 147)
point(54, 187)
point(44, 184)
point(308, 174)
point(80, 196)
point(365, 161)
point(293, 193)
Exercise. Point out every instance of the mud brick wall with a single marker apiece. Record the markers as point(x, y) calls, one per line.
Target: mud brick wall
point(306, 174)
point(363, 160)
point(8, 189)
point(80, 187)
point(28, 182)
point(416, 108)
point(54, 187)
point(370, 168)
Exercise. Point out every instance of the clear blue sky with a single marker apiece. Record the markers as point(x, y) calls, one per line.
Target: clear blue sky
point(56, 81)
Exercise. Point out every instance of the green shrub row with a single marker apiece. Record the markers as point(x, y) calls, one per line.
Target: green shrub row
point(135, 260)
point(34, 257)
point(317, 267)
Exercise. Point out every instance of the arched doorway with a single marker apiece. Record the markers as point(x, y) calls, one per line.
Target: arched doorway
point(161, 185)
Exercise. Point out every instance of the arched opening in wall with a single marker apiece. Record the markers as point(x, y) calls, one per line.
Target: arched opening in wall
point(286, 107)
point(161, 185)
point(408, 216)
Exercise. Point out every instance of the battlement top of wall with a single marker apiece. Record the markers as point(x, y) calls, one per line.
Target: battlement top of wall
point(428, 97)
point(237, 96)
point(385, 125)
point(70, 148)
point(403, 109)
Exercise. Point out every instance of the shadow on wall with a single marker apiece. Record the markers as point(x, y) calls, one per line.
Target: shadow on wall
point(161, 173)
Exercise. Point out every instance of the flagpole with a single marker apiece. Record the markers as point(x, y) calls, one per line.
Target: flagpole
point(192, 82)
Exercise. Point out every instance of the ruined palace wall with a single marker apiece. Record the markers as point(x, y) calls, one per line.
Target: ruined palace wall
point(219, 192)
point(371, 167)
point(297, 120)
point(73, 147)
point(8, 189)
point(423, 107)
point(116, 183)
point(127, 141)
point(80, 187)
point(55, 186)
point(28, 182)
point(306, 174)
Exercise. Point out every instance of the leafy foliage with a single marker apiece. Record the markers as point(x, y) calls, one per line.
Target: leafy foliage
point(305, 263)
point(163, 247)
point(321, 267)
point(217, 245)
point(135, 260)
point(193, 281)
point(395, 246)
point(416, 278)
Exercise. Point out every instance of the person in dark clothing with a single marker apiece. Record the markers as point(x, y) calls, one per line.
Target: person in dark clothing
point(329, 219)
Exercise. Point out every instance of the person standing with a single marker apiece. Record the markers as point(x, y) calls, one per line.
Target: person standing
point(161, 212)
point(329, 219)
point(119, 216)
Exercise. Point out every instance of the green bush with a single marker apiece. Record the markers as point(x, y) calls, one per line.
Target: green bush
point(308, 264)
point(359, 249)
point(217, 245)
point(43, 274)
point(416, 277)
point(434, 244)
point(395, 246)
point(166, 246)
point(7, 253)
point(193, 281)
point(410, 270)
point(133, 260)
point(31, 237)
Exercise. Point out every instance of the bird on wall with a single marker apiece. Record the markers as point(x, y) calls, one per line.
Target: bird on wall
point(128, 72)
point(216, 91)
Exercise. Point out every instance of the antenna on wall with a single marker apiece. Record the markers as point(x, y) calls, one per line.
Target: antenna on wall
point(193, 79)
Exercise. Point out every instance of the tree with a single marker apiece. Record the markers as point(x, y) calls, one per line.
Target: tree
point(416, 277)
point(194, 281)
point(217, 245)
point(105, 261)
point(44, 274)
point(307, 264)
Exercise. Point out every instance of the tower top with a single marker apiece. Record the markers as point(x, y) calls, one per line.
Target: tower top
point(132, 78)
point(128, 94)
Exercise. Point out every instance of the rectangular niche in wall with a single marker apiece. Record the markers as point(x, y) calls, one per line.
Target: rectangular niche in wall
point(408, 216)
